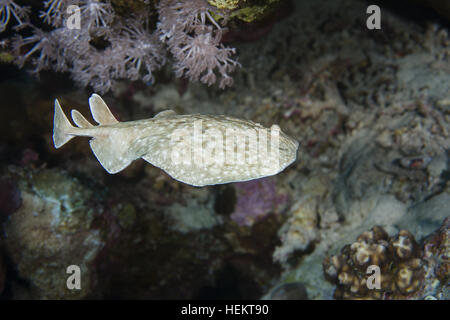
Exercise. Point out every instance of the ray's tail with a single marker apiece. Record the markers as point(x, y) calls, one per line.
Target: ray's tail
point(63, 130)
point(61, 127)
point(110, 146)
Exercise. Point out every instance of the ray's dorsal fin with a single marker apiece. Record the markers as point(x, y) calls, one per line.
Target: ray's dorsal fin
point(165, 114)
point(100, 111)
point(80, 120)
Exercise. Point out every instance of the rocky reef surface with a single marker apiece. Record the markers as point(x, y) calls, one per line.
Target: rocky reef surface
point(371, 110)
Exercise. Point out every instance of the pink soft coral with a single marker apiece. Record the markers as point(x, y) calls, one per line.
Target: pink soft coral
point(132, 50)
point(8, 9)
point(195, 46)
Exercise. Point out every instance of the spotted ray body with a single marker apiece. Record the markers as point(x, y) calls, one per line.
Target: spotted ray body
point(166, 141)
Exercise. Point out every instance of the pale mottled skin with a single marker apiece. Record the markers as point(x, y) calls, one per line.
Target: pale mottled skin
point(160, 139)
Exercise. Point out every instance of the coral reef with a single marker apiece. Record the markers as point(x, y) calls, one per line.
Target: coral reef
point(247, 11)
point(195, 215)
point(399, 260)
point(369, 108)
point(300, 230)
point(423, 218)
point(255, 199)
point(254, 11)
point(195, 46)
point(129, 240)
point(10, 10)
point(225, 4)
point(96, 52)
point(105, 46)
point(50, 232)
point(407, 270)
point(437, 268)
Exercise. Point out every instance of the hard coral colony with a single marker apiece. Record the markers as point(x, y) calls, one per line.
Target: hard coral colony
point(106, 46)
point(408, 271)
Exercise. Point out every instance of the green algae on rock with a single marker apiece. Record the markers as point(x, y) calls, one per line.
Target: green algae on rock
point(247, 10)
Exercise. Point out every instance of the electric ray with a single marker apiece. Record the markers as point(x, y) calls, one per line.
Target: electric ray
point(195, 149)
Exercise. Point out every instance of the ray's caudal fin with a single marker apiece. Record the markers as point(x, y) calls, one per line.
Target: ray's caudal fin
point(61, 127)
point(109, 146)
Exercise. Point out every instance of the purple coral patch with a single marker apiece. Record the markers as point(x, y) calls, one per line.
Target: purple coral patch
point(255, 200)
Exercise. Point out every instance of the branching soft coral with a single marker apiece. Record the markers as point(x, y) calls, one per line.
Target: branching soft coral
point(56, 11)
point(128, 48)
point(8, 9)
point(143, 52)
point(195, 46)
point(41, 43)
